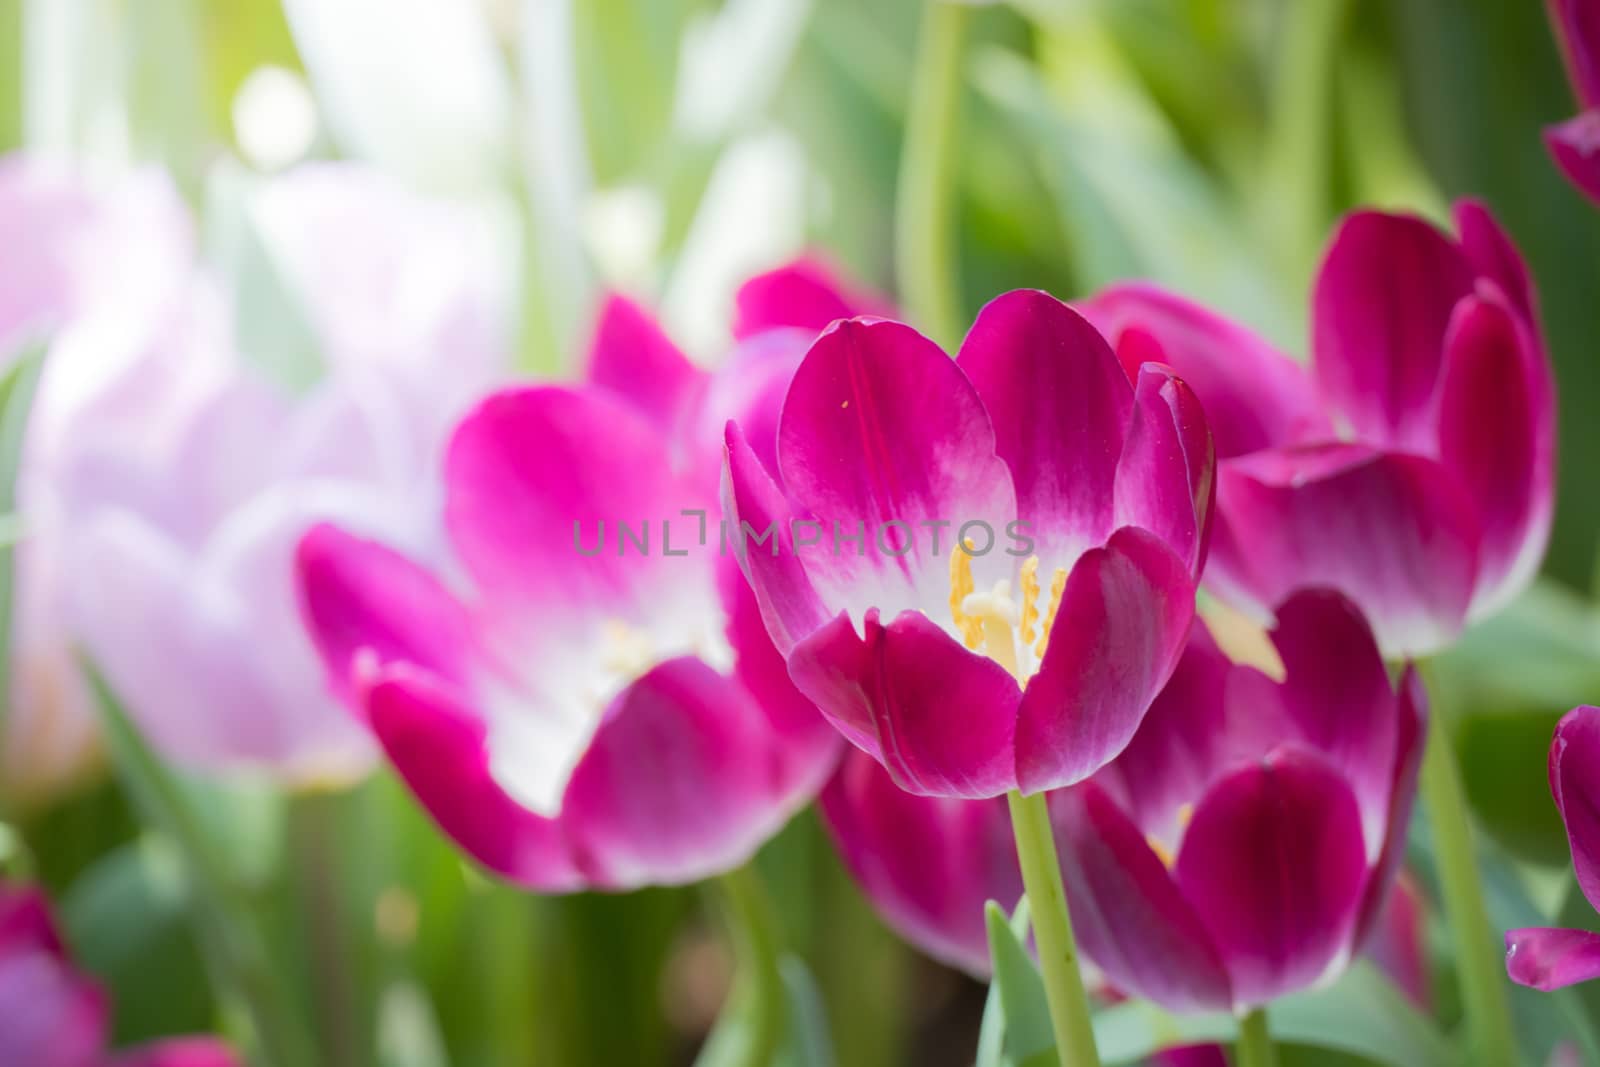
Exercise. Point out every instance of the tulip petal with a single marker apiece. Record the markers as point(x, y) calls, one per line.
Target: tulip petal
point(1336, 690)
point(359, 596)
point(1577, 28)
point(1493, 256)
point(1274, 864)
point(631, 356)
point(1059, 403)
point(1399, 942)
point(1118, 635)
point(1127, 912)
point(1255, 397)
point(1574, 145)
point(762, 528)
point(1411, 729)
point(941, 719)
point(880, 427)
point(1575, 784)
point(680, 782)
point(1383, 299)
point(439, 748)
point(539, 482)
point(1166, 479)
point(1547, 958)
point(928, 864)
point(1393, 532)
point(1497, 434)
point(802, 294)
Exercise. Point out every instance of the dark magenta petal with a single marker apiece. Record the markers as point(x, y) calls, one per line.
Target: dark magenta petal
point(803, 294)
point(1059, 404)
point(749, 389)
point(631, 356)
point(1493, 256)
point(1255, 397)
point(1118, 634)
point(439, 748)
point(1383, 299)
point(1128, 914)
point(1411, 735)
point(1336, 690)
point(880, 427)
point(50, 1015)
point(1274, 865)
point(1398, 943)
point(179, 1052)
point(1497, 433)
point(532, 474)
point(928, 864)
point(1575, 784)
point(752, 502)
point(1167, 477)
point(357, 596)
point(1576, 24)
point(26, 924)
point(1393, 532)
point(684, 779)
point(807, 747)
point(1575, 147)
point(941, 719)
point(1547, 958)
point(1191, 1056)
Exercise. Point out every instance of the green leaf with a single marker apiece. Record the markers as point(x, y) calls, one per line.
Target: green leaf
point(1391, 1030)
point(1016, 1029)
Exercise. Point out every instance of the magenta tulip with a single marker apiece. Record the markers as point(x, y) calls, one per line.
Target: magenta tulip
point(1413, 467)
point(1243, 846)
point(51, 1015)
point(1575, 143)
point(592, 701)
point(981, 570)
point(1547, 957)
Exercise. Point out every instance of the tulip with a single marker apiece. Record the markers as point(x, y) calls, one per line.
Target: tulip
point(974, 503)
point(1412, 468)
point(1549, 957)
point(52, 1015)
point(176, 487)
point(577, 707)
point(1575, 143)
point(1243, 846)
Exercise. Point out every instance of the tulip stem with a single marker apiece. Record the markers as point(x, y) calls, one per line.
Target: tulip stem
point(1478, 956)
point(751, 1027)
point(1255, 1043)
point(925, 255)
point(1052, 928)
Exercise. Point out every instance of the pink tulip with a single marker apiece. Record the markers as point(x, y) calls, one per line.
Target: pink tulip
point(1575, 143)
point(1547, 957)
point(1332, 734)
point(575, 709)
point(1244, 844)
point(51, 1015)
point(982, 570)
point(1413, 467)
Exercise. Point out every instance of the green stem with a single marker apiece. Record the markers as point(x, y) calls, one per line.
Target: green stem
point(313, 831)
point(750, 1031)
point(925, 254)
point(1478, 958)
point(1052, 928)
point(1255, 1043)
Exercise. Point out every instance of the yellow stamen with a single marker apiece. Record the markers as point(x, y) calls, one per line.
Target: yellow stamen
point(1029, 580)
point(961, 586)
point(1163, 853)
point(1185, 815)
point(1058, 586)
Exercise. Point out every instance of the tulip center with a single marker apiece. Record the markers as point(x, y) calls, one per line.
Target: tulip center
point(1166, 853)
point(1007, 627)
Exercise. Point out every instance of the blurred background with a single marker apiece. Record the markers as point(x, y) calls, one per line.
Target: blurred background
point(670, 148)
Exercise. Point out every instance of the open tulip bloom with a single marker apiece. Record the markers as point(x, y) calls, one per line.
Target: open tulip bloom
point(1547, 957)
point(578, 708)
point(1413, 467)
